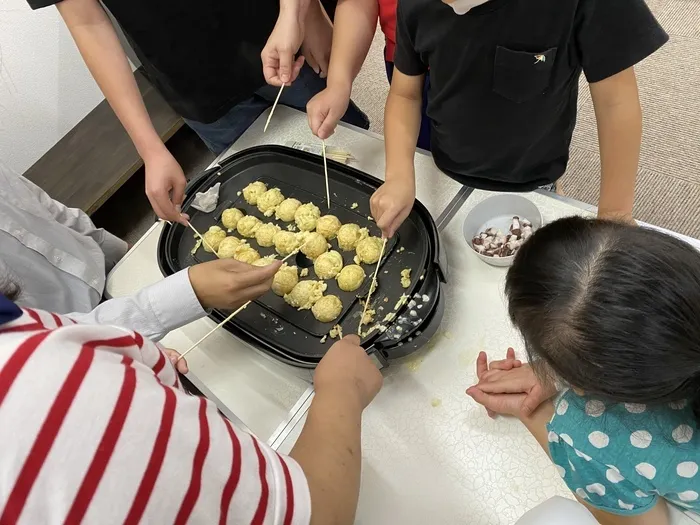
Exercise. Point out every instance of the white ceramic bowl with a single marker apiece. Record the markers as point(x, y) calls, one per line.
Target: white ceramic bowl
point(498, 212)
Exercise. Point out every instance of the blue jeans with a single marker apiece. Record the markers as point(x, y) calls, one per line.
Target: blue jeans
point(219, 135)
point(424, 133)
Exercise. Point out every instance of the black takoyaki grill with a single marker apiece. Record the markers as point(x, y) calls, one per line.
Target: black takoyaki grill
point(276, 328)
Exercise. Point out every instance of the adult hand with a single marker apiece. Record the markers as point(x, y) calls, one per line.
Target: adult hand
point(347, 369)
point(173, 356)
point(325, 110)
point(318, 38)
point(279, 66)
point(228, 284)
point(165, 186)
point(392, 203)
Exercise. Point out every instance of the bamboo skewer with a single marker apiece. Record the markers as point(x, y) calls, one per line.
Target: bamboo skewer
point(269, 117)
point(203, 240)
point(325, 170)
point(222, 323)
point(201, 237)
point(372, 286)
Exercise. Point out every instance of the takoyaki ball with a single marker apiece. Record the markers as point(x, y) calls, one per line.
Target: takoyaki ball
point(253, 190)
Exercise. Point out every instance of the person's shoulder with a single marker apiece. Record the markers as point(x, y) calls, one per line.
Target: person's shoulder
point(629, 27)
point(595, 425)
point(608, 431)
point(581, 412)
point(577, 414)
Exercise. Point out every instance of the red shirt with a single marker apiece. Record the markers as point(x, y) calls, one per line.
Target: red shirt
point(387, 19)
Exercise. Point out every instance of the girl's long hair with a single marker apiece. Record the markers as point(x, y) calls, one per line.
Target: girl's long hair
point(612, 309)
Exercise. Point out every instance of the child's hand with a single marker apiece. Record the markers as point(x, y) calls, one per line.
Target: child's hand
point(325, 110)
point(278, 62)
point(174, 357)
point(391, 204)
point(492, 368)
point(500, 380)
point(318, 37)
point(503, 404)
point(508, 404)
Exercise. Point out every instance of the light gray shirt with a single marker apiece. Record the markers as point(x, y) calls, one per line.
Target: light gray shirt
point(60, 259)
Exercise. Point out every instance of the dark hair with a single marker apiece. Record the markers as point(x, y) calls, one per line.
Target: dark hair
point(612, 309)
point(9, 288)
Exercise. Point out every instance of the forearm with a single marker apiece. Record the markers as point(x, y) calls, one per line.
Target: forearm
point(295, 8)
point(401, 126)
point(620, 137)
point(619, 117)
point(354, 27)
point(329, 452)
point(536, 423)
point(105, 58)
point(152, 312)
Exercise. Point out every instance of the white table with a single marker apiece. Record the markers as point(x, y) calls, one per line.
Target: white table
point(430, 454)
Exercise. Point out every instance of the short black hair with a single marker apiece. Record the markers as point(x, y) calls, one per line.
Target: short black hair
point(611, 308)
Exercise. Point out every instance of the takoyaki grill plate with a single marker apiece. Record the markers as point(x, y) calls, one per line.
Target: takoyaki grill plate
point(271, 324)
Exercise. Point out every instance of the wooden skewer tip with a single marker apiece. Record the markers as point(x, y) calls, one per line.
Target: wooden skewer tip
point(269, 117)
point(222, 323)
point(203, 239)
point(372, 285)
point(325, 171)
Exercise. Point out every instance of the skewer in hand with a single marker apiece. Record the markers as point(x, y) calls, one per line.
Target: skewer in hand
point(222, 323)
point(325, 170)
point(372, 286)
point(269, 117)
point(204, 241)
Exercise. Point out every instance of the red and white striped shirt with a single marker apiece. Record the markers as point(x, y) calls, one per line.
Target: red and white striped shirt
point(95, 428)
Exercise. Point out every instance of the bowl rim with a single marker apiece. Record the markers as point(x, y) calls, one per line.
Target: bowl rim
point(486, 258)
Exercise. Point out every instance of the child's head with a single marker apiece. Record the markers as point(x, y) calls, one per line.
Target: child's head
point(611, 309)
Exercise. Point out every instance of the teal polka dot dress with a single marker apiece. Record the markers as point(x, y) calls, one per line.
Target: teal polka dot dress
point(621, 458)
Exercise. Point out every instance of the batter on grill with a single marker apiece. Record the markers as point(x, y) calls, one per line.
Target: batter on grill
point(253, 190)
point(349, 235)
point(305, 294)
point(327, 308)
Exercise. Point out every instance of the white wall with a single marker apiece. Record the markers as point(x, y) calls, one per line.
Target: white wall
point(45, 89)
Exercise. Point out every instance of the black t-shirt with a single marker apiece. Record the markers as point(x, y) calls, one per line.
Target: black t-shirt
point(202, 55)
point(504, 78)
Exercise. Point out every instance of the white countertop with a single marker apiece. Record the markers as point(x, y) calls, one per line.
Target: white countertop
point(430, 455)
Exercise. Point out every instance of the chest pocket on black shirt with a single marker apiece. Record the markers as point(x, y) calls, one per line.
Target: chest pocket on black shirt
point(521, 76)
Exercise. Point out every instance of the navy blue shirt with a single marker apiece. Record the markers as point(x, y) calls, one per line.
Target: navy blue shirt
point(9, 311)
point(504, 78)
